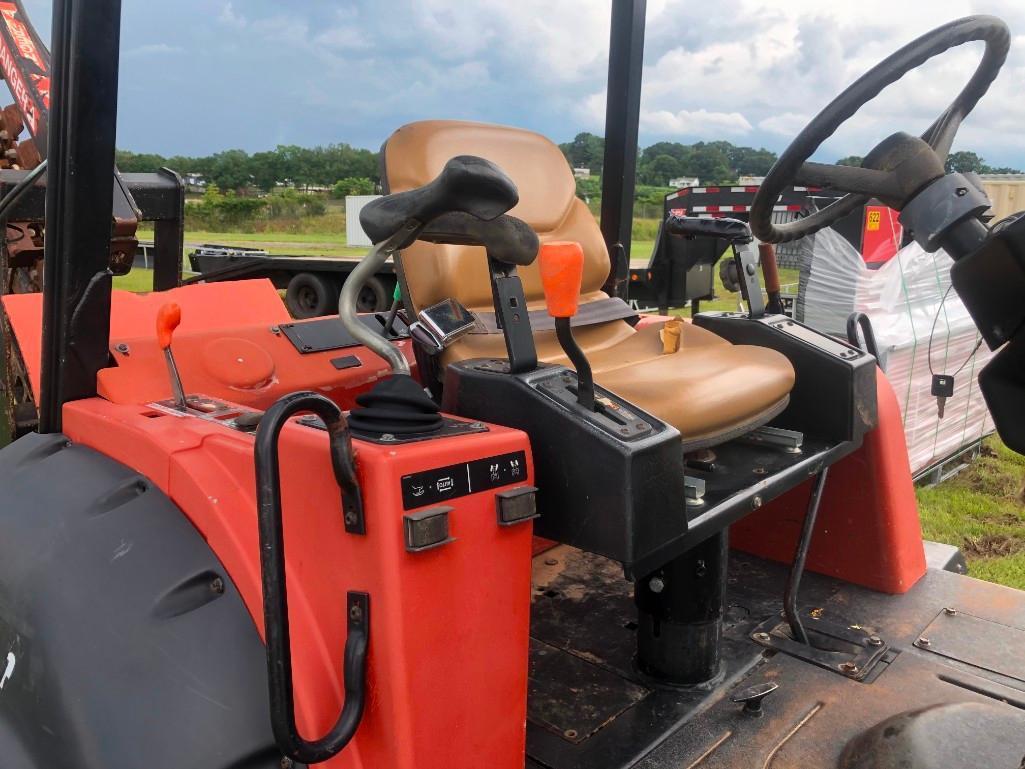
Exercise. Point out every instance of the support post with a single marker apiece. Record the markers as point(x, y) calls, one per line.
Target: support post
point(79, 202)
point(680, 615)
point(622, 115)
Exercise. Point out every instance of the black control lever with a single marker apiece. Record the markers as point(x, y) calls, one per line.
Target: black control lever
point(562, 269)
point(505, 238)
point(468, 184)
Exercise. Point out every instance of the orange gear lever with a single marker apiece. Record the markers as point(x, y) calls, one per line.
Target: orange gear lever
point(169, 316)
point(562, 270)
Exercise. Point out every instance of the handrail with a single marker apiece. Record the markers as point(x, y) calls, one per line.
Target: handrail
point(275, 591)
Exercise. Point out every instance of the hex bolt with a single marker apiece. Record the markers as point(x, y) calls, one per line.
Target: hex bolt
point(874, 640)
point(656, 585)
point(961, 191)
point(849, 668)
point(950, 611)
point(122, 348)
point(217, 585)
point(923, 642)
point(756, 503)
point(761, 637)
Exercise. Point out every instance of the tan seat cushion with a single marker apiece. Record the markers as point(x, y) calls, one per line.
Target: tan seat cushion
point(708, 389)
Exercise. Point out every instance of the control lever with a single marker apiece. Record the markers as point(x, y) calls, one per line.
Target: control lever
point(562, 270)
point(168, 318)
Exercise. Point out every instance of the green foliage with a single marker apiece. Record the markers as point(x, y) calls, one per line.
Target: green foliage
point(585, 151)
point(850, 160)
point(295, 166)
point(712, 162)
point(218, 210)
point(964, 161)
point(287, 203)
point(353, 185)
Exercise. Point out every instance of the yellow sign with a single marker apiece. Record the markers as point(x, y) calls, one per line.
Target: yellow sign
point(874, 220)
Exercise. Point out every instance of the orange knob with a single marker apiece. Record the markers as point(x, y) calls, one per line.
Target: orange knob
point(168, 318)
point(562, 269)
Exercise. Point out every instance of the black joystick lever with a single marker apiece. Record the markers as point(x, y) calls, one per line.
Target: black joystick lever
point(562, 269)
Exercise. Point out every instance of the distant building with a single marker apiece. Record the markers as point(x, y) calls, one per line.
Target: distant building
point(194, 182)
point(684, 181)
point(750, 181)
point(582, 173)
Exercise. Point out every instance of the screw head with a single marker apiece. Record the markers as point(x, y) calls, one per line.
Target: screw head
point(355, 612)
point(849, 668)
point(217, 585)
point(962, 191)
point(761, 637)
point(874, 640)
point(570, 734)
point(286, 763)
point(756, 503)
point(950, 611)
point(122, 348)
point(551, 561)
point(656, 585)
point(923, 641)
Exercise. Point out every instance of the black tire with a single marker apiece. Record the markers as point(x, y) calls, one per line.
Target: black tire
point(373, 296)
point(311, 296)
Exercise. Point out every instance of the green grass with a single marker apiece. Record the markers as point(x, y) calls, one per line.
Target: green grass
point(982, 511)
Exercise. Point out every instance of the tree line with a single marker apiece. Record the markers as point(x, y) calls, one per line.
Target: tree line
point(355, 171)
point(291, 165)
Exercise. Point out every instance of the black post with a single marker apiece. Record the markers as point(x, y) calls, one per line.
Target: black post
point(79, 202)
point(680, 615)
point(622, 114)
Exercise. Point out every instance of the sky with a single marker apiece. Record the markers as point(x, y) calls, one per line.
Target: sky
point(200, 76)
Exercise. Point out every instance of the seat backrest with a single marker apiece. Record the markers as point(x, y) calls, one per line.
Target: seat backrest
point(416, 153)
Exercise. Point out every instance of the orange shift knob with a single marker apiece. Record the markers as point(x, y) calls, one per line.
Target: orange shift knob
point(168, 318)
point(562, 269)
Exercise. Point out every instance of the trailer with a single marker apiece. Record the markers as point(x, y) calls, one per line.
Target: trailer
point(312, 284)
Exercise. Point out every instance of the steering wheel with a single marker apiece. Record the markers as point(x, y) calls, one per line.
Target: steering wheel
point(896, 169)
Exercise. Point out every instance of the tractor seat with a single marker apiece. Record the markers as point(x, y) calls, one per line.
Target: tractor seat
point(710, 389)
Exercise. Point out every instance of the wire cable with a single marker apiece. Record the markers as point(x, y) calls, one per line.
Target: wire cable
point(932, 333)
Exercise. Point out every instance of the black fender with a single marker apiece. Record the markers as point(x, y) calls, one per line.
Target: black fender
point(123, 643)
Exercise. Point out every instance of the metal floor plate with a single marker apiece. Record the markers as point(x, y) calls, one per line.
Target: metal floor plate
point(583, 616)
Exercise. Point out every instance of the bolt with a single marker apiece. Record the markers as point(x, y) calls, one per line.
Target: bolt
point(551, 561)
point(950, 611)
point(350, 517)
point(477, 425)
point(874, 640)
point(923, 641)
point(756, 503)
point(761, 637)
point(307, 348)
point(275, 330)
point(122, 348)
point(750, 269)
point(849, 668)
point(286, 763)
point(217, 585)
point(570, 734)
point(961, 191)
point(656, 585)
point(355, 613)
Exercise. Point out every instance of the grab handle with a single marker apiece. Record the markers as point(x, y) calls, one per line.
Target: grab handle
point(275, 590)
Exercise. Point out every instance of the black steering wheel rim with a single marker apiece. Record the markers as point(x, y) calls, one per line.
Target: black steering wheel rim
point(863, 183)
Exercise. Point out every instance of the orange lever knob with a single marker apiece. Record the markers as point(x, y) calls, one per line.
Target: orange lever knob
point(562, 270)
point(168, 318)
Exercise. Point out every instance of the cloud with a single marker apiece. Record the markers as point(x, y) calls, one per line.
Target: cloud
point(154, 49)
point(700, 123)
point(751, 71)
